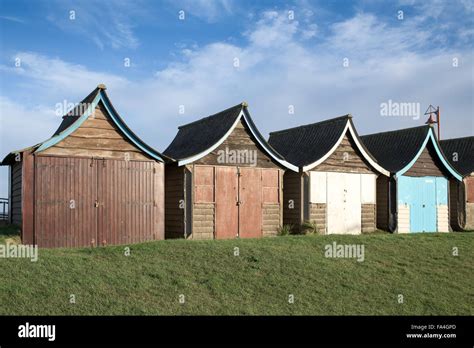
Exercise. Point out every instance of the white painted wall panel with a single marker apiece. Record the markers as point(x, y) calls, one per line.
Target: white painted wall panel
point(318, 184)
point(367, 188)
point(403, 222)
point(352, 208)
point(442, 218)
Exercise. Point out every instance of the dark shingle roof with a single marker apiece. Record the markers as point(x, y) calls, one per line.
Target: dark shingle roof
point(198, 136)
point(395, 149)
point(464, 147)
point(306, 144)
point(76, 112)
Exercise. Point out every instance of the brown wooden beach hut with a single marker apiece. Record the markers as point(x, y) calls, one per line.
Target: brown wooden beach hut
point(94, 182)
point(227, 181)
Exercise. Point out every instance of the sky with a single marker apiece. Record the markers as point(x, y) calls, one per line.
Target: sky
point(293, 62)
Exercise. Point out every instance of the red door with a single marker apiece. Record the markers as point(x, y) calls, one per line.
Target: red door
point(227, 217)
point(250, 197)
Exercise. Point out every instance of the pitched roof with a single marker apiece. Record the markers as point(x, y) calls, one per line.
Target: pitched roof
point(75, 117)
point(72, 115)
point(464, 147)
point(306, 144)
point(196, 139)
point(398, 150)
point(395, 149)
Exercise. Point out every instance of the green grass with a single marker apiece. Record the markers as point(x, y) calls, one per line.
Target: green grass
point(214, 281)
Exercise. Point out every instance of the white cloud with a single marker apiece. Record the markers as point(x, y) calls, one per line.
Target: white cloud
point(277, 68)
point(208, 10)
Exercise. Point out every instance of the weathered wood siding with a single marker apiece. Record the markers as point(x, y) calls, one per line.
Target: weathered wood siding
point(403, 219)
point(382, 207)
point(97, 137)
point(346, 158)
point(368, 217)
point(16, 188)
point(317, 214)
point(239, 140)
point(442, 218)
point(457, 205)
point(427, 164)
point(292, 199)
point(174, 201)
point(469, 183)
point(271, 219)
point(203, 221)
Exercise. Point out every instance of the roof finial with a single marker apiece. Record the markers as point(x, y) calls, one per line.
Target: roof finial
point(244, 103)
point(101, 86)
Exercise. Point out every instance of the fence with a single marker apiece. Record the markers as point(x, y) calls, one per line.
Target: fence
point(3, 209)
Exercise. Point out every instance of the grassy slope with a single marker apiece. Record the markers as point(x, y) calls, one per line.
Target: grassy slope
point(214, 281)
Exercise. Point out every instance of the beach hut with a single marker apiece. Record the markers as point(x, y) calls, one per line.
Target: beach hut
point(415, 198)
point(226, 182)
point(335, 187)
point(93, 182)
point(460, 153)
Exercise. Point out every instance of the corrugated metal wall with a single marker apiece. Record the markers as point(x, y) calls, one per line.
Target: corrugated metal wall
point(85, 202)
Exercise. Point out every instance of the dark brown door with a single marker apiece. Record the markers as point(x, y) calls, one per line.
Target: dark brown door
point(250, 203)
point(65, 193)
point(127, 208)
point(227, 220)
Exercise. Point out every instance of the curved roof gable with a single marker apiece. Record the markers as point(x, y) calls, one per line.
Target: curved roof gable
point(309, 145)
point(399, 150)
point(74, 119)
point(197, 139)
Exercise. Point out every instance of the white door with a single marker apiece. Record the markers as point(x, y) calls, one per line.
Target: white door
point(343, 203)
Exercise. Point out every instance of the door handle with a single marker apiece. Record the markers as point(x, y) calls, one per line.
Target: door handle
point(96, 204)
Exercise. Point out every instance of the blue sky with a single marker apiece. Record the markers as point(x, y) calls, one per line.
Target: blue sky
point(285, 58)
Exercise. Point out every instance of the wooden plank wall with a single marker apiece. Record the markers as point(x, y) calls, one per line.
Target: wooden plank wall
point(469, 183)
point(239, 139)
point(368, 217)
point(272, 193)
point(317, 214)
point(346, 158)
point(457, 213)
point(16, 183)
point(174, 201)
point(97, 137)
point(428, 164)
point(382, 203)
point(292, 199)
point(203, 221)
point(271, 219)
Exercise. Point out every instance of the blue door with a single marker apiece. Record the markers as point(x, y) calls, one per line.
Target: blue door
point(422, 195)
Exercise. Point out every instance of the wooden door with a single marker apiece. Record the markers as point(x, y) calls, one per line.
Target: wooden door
point(65, 193)
point(250, 203)
point(343, 203)
point(227, 210)
point(128, 210)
